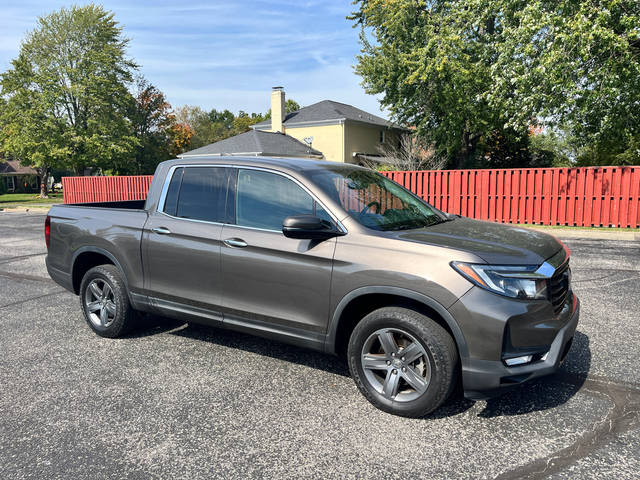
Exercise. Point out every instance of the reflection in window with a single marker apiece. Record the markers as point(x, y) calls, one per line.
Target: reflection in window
point(264, 200)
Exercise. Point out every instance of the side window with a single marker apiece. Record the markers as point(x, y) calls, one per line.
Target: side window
point(171, 201)
point(264, 200)
point(198, 193)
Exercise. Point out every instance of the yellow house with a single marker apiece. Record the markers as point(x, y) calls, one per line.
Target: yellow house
point(329, 130)
point(343, 133)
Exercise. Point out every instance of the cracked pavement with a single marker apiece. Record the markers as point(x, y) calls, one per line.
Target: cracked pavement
point(175, 400)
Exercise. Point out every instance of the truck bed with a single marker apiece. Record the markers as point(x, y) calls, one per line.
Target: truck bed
point(126, 204)
point(114, 228)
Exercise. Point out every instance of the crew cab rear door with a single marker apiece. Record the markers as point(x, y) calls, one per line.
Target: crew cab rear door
point(181, 243)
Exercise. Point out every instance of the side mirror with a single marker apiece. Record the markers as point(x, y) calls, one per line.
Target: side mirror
point(308, 227)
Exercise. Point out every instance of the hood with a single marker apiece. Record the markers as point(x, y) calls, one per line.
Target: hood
point(495, 243)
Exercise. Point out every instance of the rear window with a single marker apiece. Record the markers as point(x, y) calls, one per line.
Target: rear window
point(198, 193)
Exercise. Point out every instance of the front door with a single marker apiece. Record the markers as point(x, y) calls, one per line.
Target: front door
point(271, 282)
point(181, 244)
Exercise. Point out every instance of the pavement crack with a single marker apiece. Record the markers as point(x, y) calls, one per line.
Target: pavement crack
point(622, 417)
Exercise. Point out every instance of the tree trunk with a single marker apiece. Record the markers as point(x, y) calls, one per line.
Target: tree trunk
point(44, 181)
point(467, 147)
point(463, 153)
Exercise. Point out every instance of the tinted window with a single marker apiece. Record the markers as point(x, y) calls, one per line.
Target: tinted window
point(264, 200)
point(171, 202)
point(203, 193)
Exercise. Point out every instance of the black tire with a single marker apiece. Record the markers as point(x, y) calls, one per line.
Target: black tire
point(437, 346)
point(121, 317)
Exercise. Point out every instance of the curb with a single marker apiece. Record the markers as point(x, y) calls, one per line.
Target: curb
point(40, 210)
point(576, 233)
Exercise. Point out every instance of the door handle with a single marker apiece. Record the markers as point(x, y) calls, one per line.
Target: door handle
point(161, 230)
point(235, 242)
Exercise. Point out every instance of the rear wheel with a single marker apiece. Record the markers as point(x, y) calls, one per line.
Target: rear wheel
point(402, 361)
point(105, 303)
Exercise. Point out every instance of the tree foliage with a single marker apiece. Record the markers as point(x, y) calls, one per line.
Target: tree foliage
point(152, 120)
point(290, 105)
point(473, 75)
point(215, 125)
point(66, 93)
point(69, 102)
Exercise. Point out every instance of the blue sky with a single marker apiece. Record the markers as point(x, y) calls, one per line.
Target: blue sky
point(226, 54)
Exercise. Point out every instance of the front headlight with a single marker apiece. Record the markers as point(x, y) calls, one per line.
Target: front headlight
point(516, 281)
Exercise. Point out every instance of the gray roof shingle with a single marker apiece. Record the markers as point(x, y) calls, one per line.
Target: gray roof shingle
point(257, 142)
point(328, 110)
point(13, 167)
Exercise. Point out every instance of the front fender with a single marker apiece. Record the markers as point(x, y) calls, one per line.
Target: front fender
point(330, 342)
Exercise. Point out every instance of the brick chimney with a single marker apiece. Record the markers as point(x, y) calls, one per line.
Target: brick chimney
point(277, 109)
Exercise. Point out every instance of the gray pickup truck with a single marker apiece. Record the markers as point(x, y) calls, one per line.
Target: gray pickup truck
point(328, 256)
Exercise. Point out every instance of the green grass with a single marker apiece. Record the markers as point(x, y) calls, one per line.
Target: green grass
point(9, 200)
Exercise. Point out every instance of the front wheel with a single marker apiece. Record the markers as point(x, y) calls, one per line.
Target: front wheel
point(402, 361)
point(105, 303)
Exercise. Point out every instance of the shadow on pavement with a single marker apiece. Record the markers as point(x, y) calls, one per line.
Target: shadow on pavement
point(546, 392)
point(542, 394)
point(152, 325)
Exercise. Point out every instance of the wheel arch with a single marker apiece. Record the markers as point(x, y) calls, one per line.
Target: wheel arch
point(358, 303)
point(86, 258)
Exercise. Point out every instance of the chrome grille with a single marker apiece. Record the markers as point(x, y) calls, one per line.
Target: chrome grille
point(559, 286)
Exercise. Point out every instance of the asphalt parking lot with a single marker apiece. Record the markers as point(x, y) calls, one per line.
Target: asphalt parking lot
point(174, 400)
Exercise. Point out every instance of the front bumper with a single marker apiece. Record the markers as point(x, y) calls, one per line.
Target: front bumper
point(521, 327)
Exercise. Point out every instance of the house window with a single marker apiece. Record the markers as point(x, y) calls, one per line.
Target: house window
point(10, 184)
point(381, 136)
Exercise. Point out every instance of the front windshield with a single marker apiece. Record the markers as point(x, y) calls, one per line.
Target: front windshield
point(375, 201)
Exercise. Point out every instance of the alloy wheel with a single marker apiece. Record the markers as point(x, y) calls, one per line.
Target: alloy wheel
point(100, 303)
point(395, 364)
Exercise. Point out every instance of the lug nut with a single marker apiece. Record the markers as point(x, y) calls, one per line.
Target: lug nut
point(404, 369)
point(403, 359)
point(388, 362)
point(393, 354)
point(395, 371)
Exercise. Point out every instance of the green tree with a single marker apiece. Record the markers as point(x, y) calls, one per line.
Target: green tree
point(205, 131)
point(67, 94)
point(290, 105)
point(152, 119)
point(225, 118)
point(575, 63)
point(473, 74)
point(213, 126)
point(244, 120)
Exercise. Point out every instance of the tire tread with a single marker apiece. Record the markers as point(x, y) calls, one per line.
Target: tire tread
point(441, 346)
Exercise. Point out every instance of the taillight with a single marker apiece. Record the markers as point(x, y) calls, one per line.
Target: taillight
point(47, 230)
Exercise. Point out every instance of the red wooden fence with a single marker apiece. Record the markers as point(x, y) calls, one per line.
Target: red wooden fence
point(105, 189)
point(591, 196)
